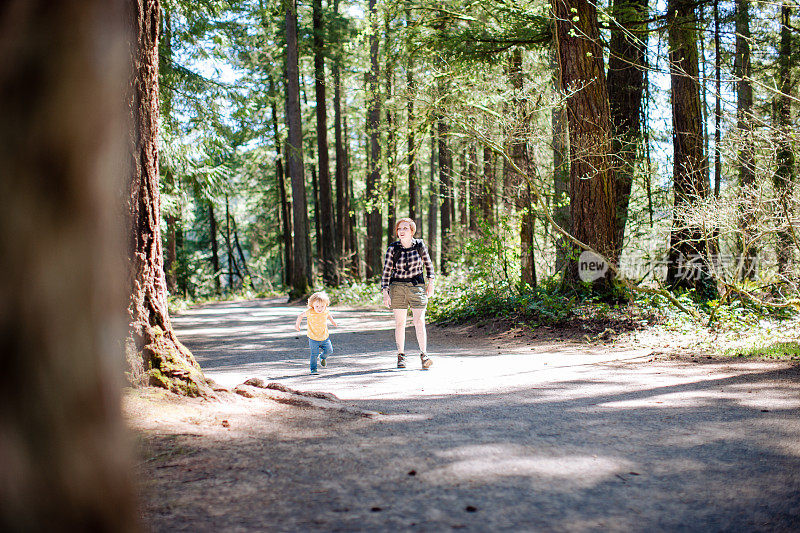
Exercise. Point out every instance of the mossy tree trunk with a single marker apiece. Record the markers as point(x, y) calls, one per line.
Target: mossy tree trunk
point(63, 459)
point(154, 354)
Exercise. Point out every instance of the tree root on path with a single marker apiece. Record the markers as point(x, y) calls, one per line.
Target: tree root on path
point(256, 388)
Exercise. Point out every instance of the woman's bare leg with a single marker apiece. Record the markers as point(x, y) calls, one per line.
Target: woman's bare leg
point(418, 318)
point(400, 329)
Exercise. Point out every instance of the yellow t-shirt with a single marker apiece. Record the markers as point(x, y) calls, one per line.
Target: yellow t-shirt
point(317, 325)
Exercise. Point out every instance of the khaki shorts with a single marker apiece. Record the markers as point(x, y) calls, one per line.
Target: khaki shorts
point(404, 294)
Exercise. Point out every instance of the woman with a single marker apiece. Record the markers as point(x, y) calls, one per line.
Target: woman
point(403, 285)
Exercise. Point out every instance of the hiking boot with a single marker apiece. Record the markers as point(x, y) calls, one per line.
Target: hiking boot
point(323, 362)
point(401, 360)
point(426, 361)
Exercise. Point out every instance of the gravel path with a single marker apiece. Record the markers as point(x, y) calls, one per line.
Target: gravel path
point(500, 435)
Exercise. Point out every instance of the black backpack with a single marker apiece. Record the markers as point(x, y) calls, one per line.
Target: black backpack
point(397, 249)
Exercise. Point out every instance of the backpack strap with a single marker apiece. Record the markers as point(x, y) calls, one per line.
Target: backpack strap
point(397, 249)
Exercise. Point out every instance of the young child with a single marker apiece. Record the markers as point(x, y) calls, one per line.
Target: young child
point(317, 316)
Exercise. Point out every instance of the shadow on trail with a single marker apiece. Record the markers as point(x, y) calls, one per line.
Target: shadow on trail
point(566, 456)
point(591, 447)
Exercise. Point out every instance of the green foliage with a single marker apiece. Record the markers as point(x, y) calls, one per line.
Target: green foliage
point(476, 298)
point(355, 294)
point(778, 350)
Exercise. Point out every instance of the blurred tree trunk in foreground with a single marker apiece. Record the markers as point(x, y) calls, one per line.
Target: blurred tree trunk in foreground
point(154, 354)
point(64, 464)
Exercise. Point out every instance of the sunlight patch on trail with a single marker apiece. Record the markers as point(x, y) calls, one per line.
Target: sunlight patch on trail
point(486, 464)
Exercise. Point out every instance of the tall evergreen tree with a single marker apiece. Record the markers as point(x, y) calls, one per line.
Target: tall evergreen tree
point(746, 160)
point(154, 354)
point(784, 177)
point(301, 274)
point(330, 261)
point(372, 255)
point(688, 243)
point(582, 78)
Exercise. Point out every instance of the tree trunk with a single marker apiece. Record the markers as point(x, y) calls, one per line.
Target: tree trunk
point(243, 261)
point(474, 188)
point(717, 104)
point(516, 187)
point(317, 225)
point(746, 159)
point(286, 205)
point(212, 221)
point(487, 188)
point(301, 273)
point(171, 261)
point(592, 201)
point(373, 255)
point(413, 193)
point(342, 216)
point(391, 143)
point(560, 175)
point(445, 192)
point(433, 203)
point(228, 247)
point(65, 465)
point(784, 177)
point(463, 219)
point(625, 89)
point(352, 225)
point(687, 242)
point(330, 260)
point(154, 354)
point(180, 262)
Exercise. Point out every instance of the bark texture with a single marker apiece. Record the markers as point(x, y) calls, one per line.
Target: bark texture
point(373, 257)
point(64, 457)
point(301, 267)
point(746, 158)
point(342, 209)
point(582, 79)
point(155, 356)
point(785, 174)
point(330, 260)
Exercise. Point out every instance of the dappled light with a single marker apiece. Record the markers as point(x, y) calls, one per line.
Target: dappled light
point(487, 463)
point(564, 437)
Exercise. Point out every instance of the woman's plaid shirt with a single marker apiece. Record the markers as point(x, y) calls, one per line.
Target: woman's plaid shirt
point(409, 264)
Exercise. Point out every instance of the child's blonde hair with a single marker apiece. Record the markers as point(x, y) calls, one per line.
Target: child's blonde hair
point(321, 296)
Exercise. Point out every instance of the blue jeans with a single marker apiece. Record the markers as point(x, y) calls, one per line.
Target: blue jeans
point(316, 347)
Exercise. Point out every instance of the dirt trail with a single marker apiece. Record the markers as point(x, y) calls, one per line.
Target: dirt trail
point(497, 436)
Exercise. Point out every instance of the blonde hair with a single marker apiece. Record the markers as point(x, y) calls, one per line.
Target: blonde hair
point(410, 223)
point(321, 296)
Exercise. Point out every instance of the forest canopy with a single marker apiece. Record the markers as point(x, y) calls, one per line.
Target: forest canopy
point(658, 138)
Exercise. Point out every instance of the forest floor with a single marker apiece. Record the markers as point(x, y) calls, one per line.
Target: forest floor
point(510, 430)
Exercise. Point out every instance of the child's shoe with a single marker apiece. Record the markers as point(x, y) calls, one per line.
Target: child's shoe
point(426, 361)
point(401, 360)
point(314, 371)
point(323, 362)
